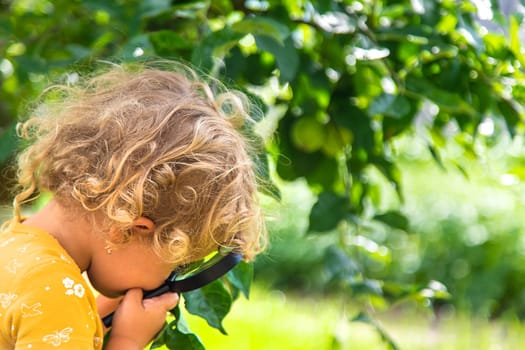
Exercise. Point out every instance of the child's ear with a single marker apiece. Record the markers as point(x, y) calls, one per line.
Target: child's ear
point(143, 226)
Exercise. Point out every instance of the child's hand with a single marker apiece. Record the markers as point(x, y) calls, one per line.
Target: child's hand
point(137, 321)
point(106, 306)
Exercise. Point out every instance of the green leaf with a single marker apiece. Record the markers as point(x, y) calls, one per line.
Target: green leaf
point(211, 302)
point(79, 51)
point(137, 47)
point(447, 24)
point(177, 335)
point(168, 42)
point(345, 113)
point(190, 9)
point(151, 8)
point(436, 156)
point(390, 171)
point(182, 341)
point(496, 45)
point(371, 249)
point(367, 286)
point(263, 26)
point(393, 219)
point(363, 317)
point(515, 38)
point(180, 323)
point(445, 100)
point(470, 35)
point(204, 54)
point(8, 142)
point(285, 54)
point(326, 174)
point(241, 277)
point(221, 6)
point(327, 212)
point(510, 114)
point(311, 88)
point(339, 265)
point(27, 64)
point(394, 106)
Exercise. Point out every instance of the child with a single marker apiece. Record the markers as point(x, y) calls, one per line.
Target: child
point(148, 170)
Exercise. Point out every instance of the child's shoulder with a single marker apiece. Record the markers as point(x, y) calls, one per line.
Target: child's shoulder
point(26, 250)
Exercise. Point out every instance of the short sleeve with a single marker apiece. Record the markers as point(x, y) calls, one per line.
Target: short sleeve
point(56, 311)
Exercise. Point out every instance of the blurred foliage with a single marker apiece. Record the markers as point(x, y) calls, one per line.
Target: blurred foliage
point(468, 237)
point(345, 79)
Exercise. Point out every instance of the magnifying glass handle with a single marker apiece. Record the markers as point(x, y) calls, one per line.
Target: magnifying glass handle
point(107, 320)
point(165, 288)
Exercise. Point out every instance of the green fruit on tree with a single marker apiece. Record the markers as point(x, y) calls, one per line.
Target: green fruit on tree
point(336, 139)
point(308, 134)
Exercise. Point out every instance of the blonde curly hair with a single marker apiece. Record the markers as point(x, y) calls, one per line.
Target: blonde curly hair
point(147, 140)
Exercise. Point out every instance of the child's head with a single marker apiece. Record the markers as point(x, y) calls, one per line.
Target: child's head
point(147, 142)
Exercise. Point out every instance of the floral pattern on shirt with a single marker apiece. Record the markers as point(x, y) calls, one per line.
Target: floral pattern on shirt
point(73, 288)
point(43, 295)
point(58, 337)
point(6, 299)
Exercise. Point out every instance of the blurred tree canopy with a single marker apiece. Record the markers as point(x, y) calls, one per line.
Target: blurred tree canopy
point(345, 78)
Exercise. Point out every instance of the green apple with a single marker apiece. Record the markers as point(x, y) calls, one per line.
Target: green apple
point(308, 134)
point(336, 139)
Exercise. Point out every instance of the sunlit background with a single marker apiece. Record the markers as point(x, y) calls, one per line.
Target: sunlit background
point(432, 255)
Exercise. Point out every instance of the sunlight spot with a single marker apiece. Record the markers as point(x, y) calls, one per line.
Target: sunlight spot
point(476, 235)
point(388, 85)
point(385, 21)
point(72, 78)
point(509, 179)
point(486, 127)
point(432, 108)
point(355, 7)
point(247, 41)
point(438, 286)
point(138, 52)
point(371, 54)
point(467, 35)
point(332, 74)
point(366, 243)
point(6, 68)
point(257, 5)
point(418, 6)
point(334, 22)
point(484, 9)
point(350, 60)
point(16, 49)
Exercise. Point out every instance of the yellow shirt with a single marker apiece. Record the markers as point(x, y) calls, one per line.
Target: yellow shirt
point(45, 303)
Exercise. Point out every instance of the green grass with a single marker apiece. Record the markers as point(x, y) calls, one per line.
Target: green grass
point(274, 321)
point(271, 320)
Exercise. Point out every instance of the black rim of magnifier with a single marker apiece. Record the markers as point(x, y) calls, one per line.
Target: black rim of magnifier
point(215, 268)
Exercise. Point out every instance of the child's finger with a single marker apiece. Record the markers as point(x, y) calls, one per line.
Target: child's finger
point(172, 299)
point(167, 300)
point(107, 305)
point(133, 296)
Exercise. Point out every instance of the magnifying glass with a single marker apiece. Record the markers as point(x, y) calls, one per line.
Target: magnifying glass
point(192, 276)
